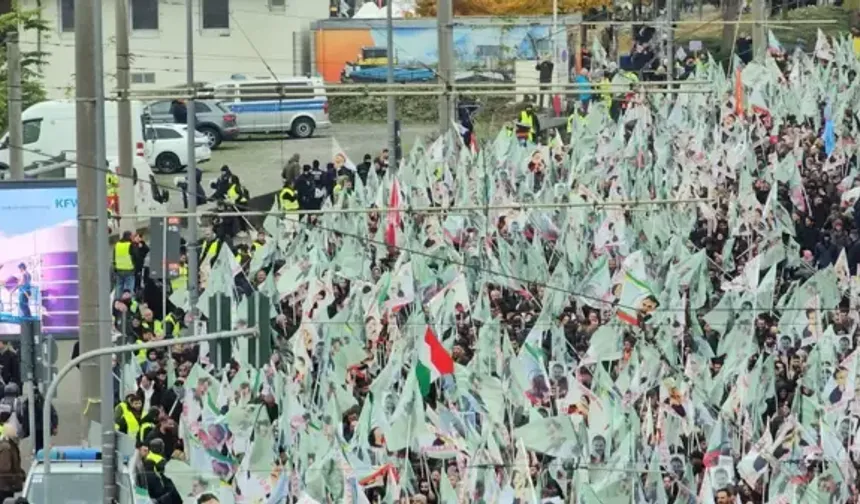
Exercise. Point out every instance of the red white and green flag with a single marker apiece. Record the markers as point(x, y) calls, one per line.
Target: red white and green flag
point(433, 361)
point(393, 215)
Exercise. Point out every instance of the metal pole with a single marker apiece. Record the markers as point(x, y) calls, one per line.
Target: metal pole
point(125, 169)
point(759, 33)
point(444, 26)
point(102, 352)
point(556, 57)
point(670, 41)
point(193, 268)
point(16, 133)
point(163, 271)
point(103, 273)
point(88, 204)
point(392, 105)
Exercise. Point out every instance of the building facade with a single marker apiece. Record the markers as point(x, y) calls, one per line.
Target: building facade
point(232, 37)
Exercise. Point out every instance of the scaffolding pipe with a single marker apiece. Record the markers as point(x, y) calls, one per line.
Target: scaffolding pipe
point(275, 86)
point(463, 208)
point(499, 92)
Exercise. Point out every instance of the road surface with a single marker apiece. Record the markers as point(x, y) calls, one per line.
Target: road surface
point(258, 160)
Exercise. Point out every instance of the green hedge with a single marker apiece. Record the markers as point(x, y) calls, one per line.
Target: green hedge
point(412, 109)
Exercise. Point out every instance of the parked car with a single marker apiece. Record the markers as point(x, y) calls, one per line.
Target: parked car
point(214, 119)
point(297, 106)
point(167, 147)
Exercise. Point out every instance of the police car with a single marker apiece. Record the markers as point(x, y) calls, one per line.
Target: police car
point(76, 478)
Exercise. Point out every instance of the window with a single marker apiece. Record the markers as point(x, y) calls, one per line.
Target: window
point(160, 108)
point(216, 14)
point(298, 89)
point(201, 108)
point(277, 4)
point(168, 134)
point(143, 77)
point(31, 131)
point(67, 15)
point(258, 92)
point(144, 14)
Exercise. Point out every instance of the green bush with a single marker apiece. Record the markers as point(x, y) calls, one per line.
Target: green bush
point(413, 109)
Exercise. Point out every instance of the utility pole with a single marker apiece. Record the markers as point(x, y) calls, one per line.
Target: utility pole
point(445, 20)
point(125, 170)
point(759, 31)
point(93, 254)
point(191, 180)
point(670, 40)
point(16, 133)
point(392, 105)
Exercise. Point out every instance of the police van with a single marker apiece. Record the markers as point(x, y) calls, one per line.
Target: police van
point(76, 478)
point(266, 105)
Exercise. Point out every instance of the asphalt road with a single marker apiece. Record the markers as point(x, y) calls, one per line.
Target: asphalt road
point(258, 160)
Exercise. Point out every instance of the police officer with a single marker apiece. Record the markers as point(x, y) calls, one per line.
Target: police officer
point(305, 188)
point(237, 195)
point(147, 424)
point(222, 184)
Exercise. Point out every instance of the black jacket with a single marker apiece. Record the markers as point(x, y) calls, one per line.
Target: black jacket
point(10, 366)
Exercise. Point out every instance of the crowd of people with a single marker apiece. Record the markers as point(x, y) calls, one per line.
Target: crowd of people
point(660, 308)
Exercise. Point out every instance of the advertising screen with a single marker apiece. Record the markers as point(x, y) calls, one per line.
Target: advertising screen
point(39, 256)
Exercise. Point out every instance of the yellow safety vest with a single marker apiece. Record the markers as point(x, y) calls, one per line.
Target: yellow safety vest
point(572, 118)
point(144, 428)
point(605, 89)
point(133, 306)
point(175, 330)
point(122, 256)
point(132, 424)
point(232, 194)
point(288, 200)
point(141, 354)
point(181, 281)
point(157, 327)
point(632, 76)
point(257, 245)
point(526, 119)
point(211, 249)
point(112, 184)
point(155, 458)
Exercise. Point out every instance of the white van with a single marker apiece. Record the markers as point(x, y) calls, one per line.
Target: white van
point(50, 132)
point(259, 109)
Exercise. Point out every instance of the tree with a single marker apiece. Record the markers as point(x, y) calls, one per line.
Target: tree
point(32, 90)
point(510, 7)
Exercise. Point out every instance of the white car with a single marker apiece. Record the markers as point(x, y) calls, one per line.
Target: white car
point(167, 147)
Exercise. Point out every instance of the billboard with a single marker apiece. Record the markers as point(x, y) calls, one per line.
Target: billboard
point(39, 255)
point(355, 50)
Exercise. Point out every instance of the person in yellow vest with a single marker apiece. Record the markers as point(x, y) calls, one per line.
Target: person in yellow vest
point(243, 257)
point(149, 323)
point(236, 193)
point(127, 415)
point(259, 242)
point(528, 118)
point(146, 336)
point(173, 323)
point(123, 265)
point(180, 282)
point(147, 425)
point(576, 119)
point(342, 186)
point(288, 198)
point(604, 89)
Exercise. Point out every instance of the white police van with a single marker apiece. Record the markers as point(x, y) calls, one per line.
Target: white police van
point(265, 105)
point(76, 478)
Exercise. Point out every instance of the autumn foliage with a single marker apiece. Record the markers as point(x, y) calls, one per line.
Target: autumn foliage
point(509, 7)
